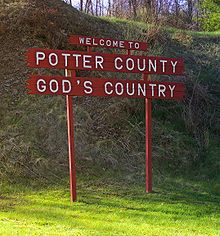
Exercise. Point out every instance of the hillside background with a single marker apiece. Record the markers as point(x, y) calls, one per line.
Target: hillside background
point(109, 132)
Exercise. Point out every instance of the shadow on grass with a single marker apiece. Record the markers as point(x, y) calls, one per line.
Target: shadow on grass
point(102, 207)
point(132, 199)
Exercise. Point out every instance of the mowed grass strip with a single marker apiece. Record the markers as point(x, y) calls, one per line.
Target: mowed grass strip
point(109, 210)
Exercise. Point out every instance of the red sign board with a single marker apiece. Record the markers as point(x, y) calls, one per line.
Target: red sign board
point(77, 60)
point(58, 85)
point(107, 43)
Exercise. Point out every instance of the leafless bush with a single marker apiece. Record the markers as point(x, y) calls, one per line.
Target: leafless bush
point(197, 114)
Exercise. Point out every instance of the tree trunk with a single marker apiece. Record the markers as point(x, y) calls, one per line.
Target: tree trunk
point(81, 5)
point(134, 6)
point(190, 11)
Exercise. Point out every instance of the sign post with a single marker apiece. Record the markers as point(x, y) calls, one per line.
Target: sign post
point(71, 143)
point(71, 85)
point(148, 140)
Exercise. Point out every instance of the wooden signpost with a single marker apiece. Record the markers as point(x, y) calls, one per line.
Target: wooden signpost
point(71, 85)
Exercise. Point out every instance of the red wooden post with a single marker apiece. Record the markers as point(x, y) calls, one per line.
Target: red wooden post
point(148, 112)
point(148, 137)
point(89, 49)
point(71, 148)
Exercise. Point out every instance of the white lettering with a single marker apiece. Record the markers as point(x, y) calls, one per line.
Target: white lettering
point(174, 66)
point(142, 90)
point(143, 64)
point(53, 57)
point(66, 55)
point(151, 65)
point(40, 56)
point(98, 62)
point(52, 83)
point(121, 44)
point(161, 89)
point(94, 42)
point(87, 59)
point(136, 45)
point(108, 43)
point(88, 41)
point(101, 42)
point(88, 87)
point(116, 61)
point(81, 40)
point(131, 67)
point(106, 84)
point(128, 92)
point(115, 44)
point(172, 90)
point(77, 59)
point(152, 89)
point(65, 84)
point(117, 85)
point(130, 44)
point(41, 87)
point(163, 64)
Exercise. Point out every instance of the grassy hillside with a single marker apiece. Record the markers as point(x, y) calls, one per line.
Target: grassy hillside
point(109, 132)
point(110, 138)
point(185, 135)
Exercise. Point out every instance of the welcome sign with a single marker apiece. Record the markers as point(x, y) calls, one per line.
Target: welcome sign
point(71, 85)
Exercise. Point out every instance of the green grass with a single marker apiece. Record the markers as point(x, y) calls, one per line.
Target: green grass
point(127, 22)
point(169, 29)
point(194, 33)
point(108, 208)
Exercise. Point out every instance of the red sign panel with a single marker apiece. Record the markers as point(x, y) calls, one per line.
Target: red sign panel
point(107, 43)
point(75, 60)
point(59, 85)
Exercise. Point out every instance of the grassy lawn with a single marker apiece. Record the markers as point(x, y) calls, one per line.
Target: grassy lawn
point(108, 208)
